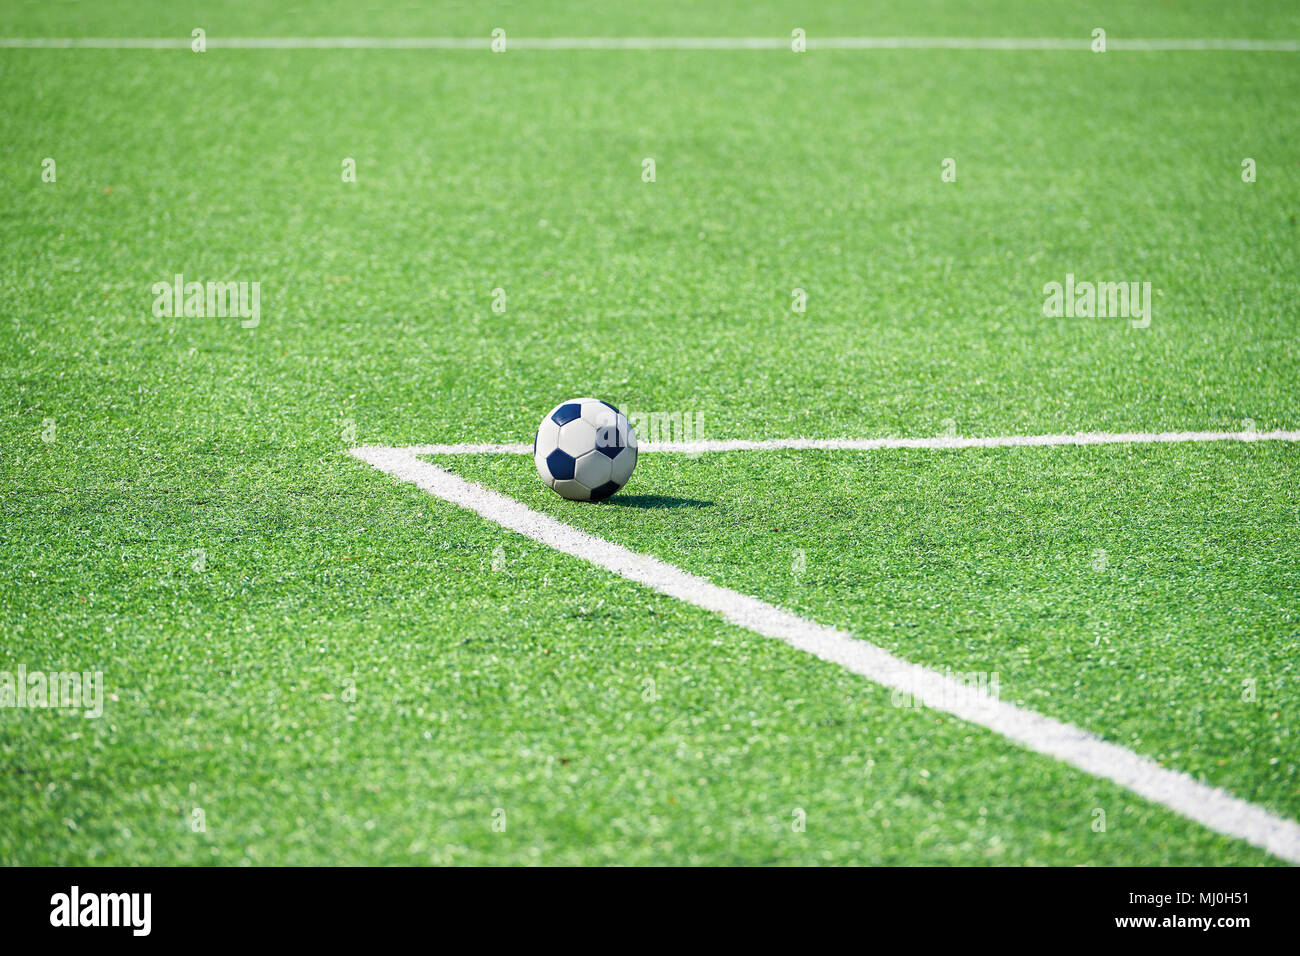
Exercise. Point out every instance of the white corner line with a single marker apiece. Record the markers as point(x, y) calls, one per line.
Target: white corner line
point(1213, 807)
point(874, 444)
point(780, 43)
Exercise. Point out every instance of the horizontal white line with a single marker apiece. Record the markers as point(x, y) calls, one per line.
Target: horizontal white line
point(872, 444)
point(1077, 44)
point(470, 449)
point(945, 441)
point(1211, 806)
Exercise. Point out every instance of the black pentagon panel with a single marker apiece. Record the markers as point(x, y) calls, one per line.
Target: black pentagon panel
point(609, 406)
point(605, 490)
point(560, 464)
point(609, 442)
point(566, 413)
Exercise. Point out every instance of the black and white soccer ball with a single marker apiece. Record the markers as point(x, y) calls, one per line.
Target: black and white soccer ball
point(585, 449)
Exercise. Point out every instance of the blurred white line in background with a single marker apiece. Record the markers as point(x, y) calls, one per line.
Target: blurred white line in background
point(1076, 44)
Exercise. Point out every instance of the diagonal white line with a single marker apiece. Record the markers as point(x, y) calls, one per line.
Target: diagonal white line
point(873, 444)
point(1211, 806)
point(1075, 44)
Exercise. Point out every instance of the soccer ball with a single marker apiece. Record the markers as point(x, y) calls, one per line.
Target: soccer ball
point(585, 449)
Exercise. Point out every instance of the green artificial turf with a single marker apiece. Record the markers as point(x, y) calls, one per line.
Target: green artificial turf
point(524, 688)
point(1144, 593)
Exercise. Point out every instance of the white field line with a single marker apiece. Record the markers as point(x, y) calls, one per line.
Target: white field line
point(1076, 44)
point(1210, 806)
point(873, 444)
